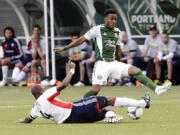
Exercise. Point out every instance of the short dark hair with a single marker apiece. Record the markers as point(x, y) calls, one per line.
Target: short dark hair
point(75, 34)
point(165, 32)
point(11, 29)
point(37, 26)
point(109, 11)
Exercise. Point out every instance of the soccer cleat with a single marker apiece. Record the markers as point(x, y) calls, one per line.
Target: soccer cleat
point(79, 84)
point(160, 90)
point(157, 82)
point(166, 82)
point(114, 119)
point(147, 99)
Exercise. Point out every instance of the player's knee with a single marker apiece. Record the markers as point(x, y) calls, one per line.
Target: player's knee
point(43, 62)
point(20, 65)
point(169, 61)
point(133, 70)
point(26, 69)
point(156, 60)
point(34, 62)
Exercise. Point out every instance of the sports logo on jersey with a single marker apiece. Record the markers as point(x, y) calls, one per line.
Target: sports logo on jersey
point(110, 42)
point(12, 45)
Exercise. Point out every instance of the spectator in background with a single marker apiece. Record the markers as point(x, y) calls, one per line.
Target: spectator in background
point(12, 53)
point(129, 49)
point(151, 48)
point(167, 50)
point(23, 67)
point(38, 52)
point(78, 54)
point(90, 64)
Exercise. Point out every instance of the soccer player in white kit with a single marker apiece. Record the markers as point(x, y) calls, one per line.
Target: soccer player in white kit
point(107, 52)
point(85, 110)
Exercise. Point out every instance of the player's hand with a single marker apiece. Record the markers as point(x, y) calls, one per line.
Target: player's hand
point(60, 49)
point(20, 121)
point(146, 59)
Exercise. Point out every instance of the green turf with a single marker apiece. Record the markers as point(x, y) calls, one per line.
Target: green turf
point(161, 119)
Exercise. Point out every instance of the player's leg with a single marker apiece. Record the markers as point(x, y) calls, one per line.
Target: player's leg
point(17, 70)
point(121, 69)
point(128, 102)
point(34, 65)
point(22, 74)
point(82, 75)
point(99, 77)
point(43, 65)
point(159, 90)
point(158, 70)
point(5, 63)
point(170, 70)
point(95, 90)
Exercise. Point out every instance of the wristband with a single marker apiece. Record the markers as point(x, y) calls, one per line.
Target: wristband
point(72, 71)
point(65, 48)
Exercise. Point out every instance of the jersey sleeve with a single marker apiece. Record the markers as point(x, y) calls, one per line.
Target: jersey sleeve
point(92, 33)
point(133, 46)
point(173, 46)
point(51, 93)
point(34, 113)
point(146, 43)
point(119, 39)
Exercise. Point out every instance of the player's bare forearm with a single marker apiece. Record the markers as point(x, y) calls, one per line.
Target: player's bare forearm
point(67, 79)
point(145, 52)
point(26, 120)
point(75, 43)
point(118, 53)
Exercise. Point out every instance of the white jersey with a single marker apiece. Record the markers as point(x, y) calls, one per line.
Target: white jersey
point(106, 41)
point(47, 106)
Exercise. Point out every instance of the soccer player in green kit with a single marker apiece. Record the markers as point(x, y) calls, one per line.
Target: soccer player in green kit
point(107, 53)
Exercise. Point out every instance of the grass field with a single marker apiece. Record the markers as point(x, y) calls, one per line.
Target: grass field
point(161, 119)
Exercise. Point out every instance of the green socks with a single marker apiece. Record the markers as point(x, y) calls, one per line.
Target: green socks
point(145, 80)
point(89, 93)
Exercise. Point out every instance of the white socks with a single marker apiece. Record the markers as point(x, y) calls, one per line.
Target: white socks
point(128, 102)
point(5, 72)
point(15, 73)
point(21, 76)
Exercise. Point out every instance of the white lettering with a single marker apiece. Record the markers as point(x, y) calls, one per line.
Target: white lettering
point(150, 19)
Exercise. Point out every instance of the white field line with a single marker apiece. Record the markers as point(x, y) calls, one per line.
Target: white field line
point(15, 106)
point(27, 106)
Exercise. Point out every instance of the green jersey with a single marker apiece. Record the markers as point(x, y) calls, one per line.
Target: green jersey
point(105, 42)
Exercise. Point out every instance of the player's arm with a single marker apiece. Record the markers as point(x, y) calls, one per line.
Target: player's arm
point(145, 52)
point(118, 52)
point(75, 43)
point(42, 56)
point(26, 120)
point(130, 56)
point(67, 79)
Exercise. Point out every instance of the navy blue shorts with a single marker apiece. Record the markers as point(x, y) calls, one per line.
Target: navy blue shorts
point(27, 61)
point(88, 110)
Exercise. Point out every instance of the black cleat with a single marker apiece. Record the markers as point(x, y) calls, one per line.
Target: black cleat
point(147, 99)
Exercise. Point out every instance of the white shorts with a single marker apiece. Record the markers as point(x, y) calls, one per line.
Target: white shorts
point(103, 70)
